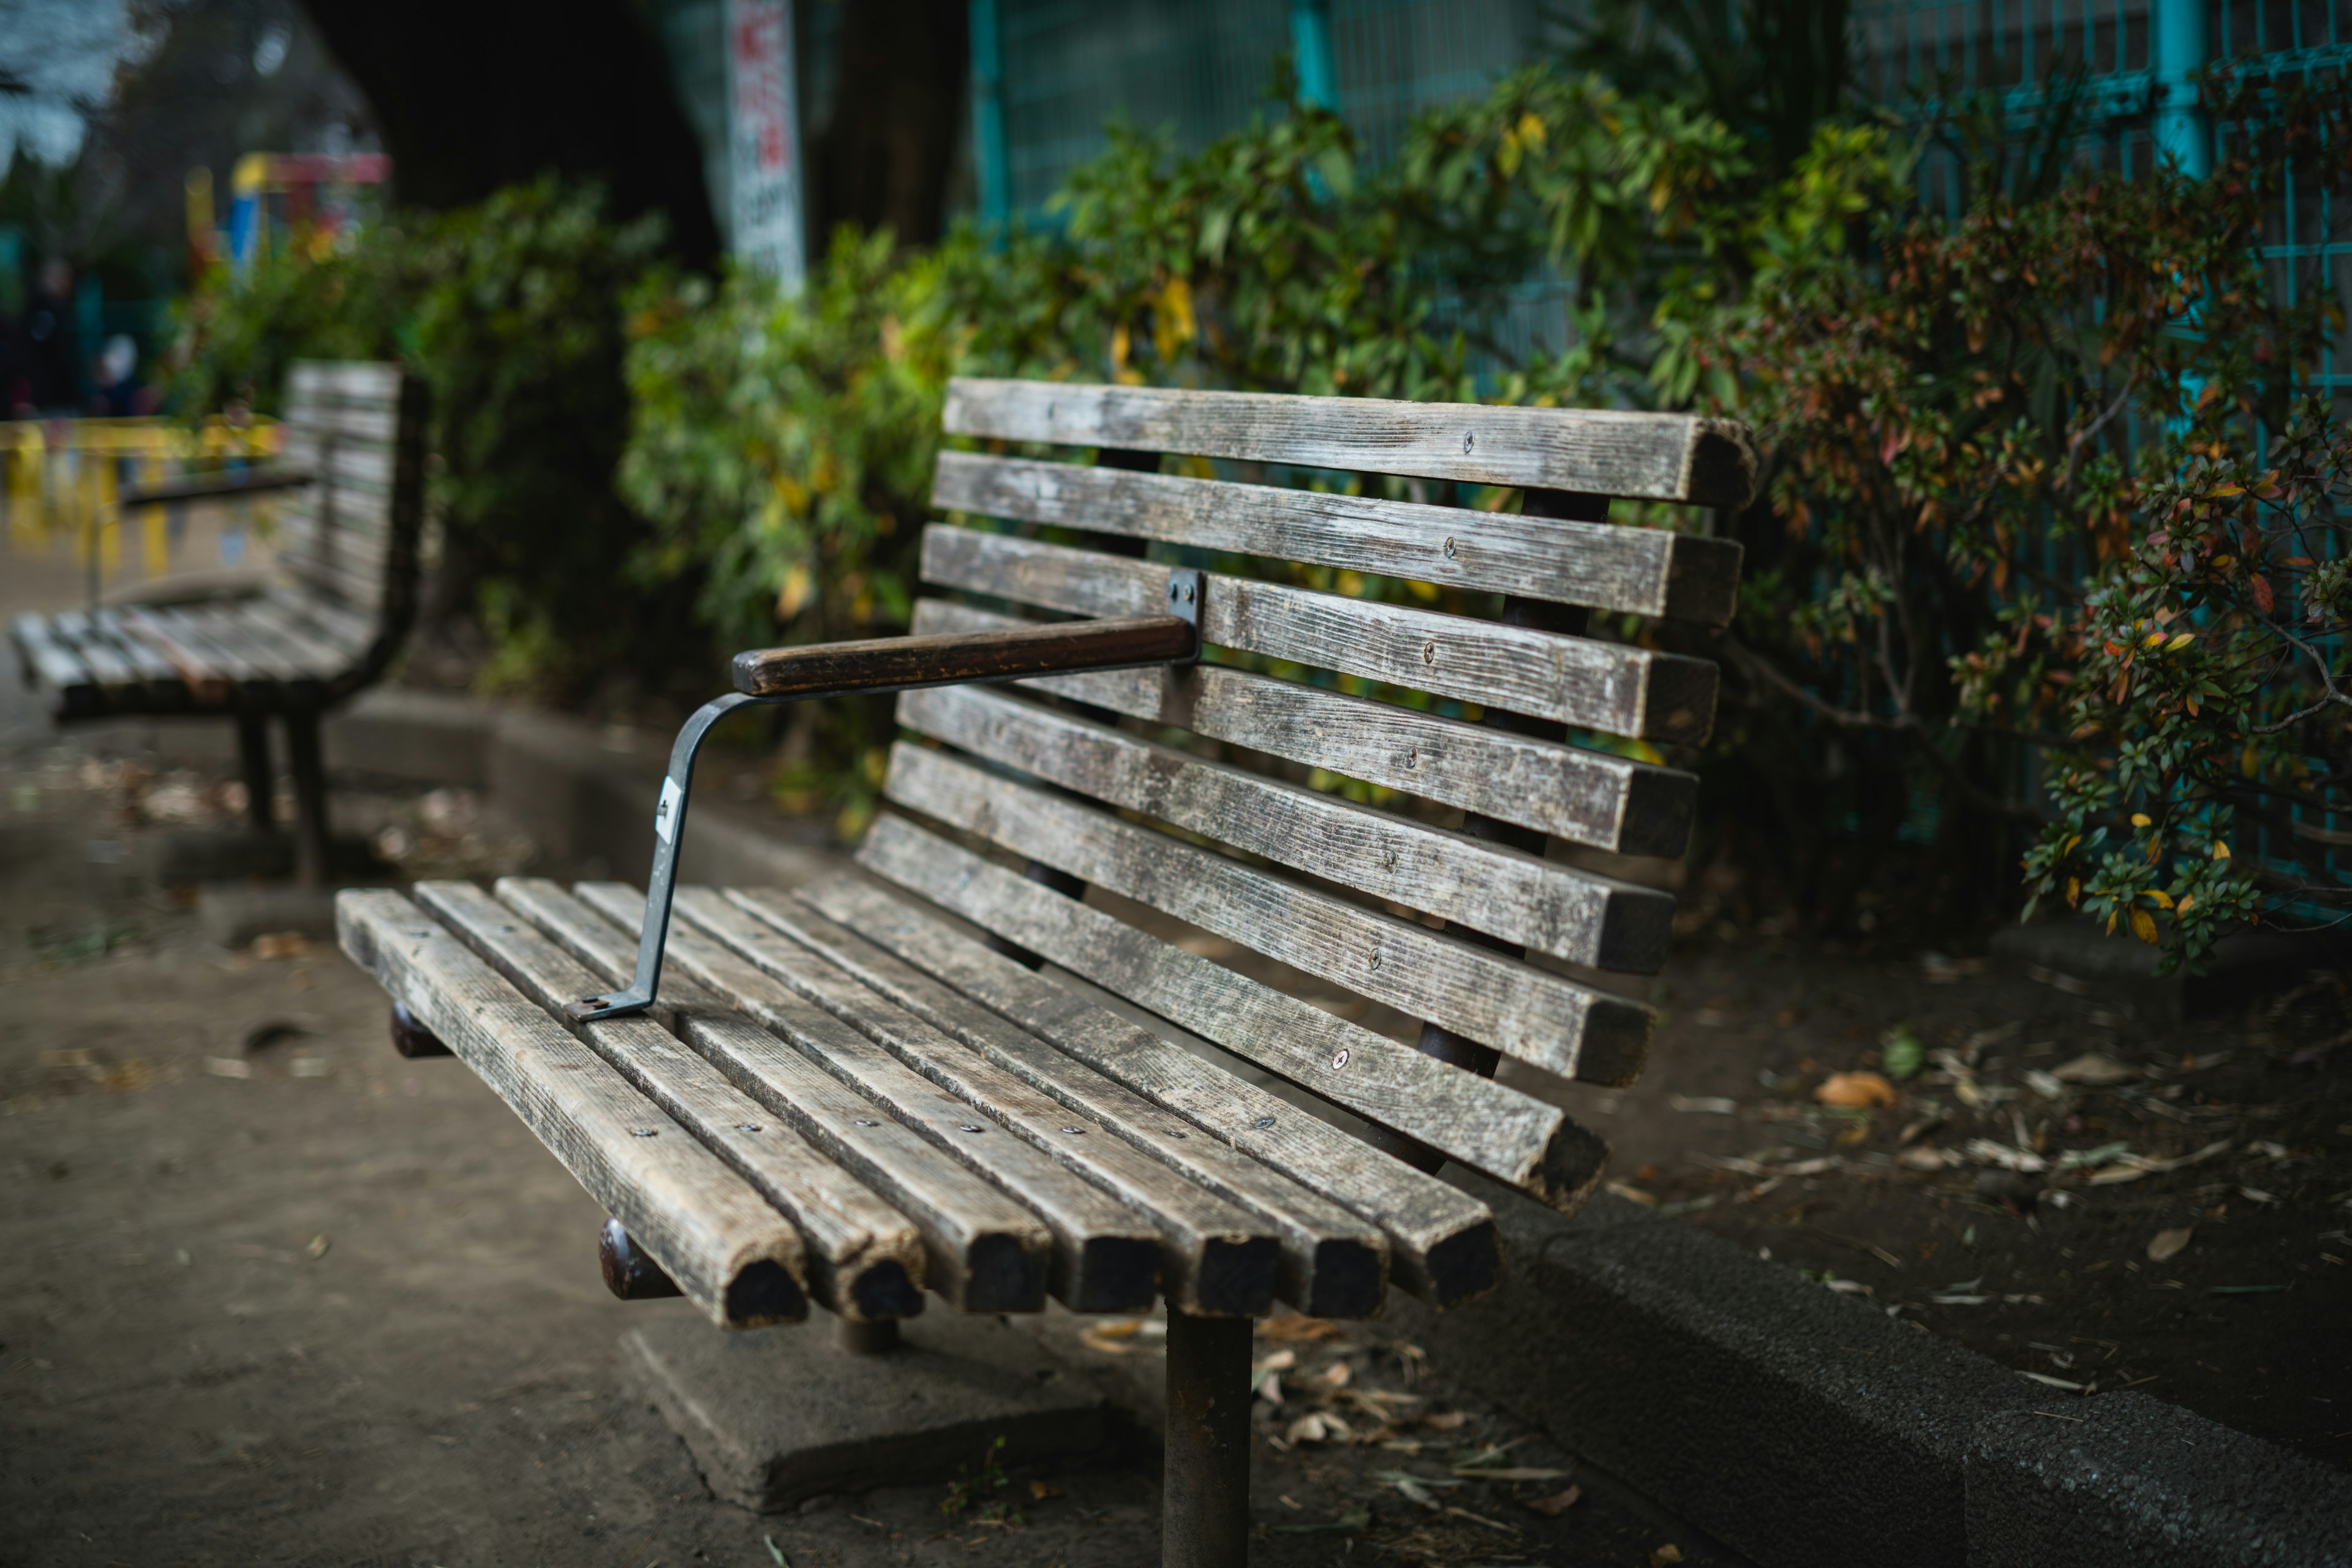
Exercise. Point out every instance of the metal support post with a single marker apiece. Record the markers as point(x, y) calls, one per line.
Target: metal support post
point(1205, 1500)
point(303, 761)
point(260, 783)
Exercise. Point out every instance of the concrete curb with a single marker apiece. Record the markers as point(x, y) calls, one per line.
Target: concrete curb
point(1802, 1427)
point(1795, 1424)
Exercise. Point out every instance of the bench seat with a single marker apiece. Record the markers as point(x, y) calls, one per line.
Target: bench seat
point(839, 1088)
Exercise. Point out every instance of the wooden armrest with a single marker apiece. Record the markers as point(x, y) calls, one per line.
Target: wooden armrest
point(954, 658)
point(208, 487)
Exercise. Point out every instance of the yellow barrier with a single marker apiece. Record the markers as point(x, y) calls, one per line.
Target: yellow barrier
point(62, 477)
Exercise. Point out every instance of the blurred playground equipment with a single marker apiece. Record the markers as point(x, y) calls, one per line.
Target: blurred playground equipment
point(60, 481)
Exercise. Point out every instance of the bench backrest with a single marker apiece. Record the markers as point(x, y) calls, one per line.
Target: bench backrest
point(350, 539)
point(1359, 786)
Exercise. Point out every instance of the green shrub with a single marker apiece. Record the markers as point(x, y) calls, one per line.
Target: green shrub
point(512, 311)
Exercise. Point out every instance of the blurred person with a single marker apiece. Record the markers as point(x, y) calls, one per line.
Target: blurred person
point(47, 358)
point(120, 393)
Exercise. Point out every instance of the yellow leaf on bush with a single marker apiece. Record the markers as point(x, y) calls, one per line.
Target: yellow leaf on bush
point(2220, 850)
point(2143, 926)
point(794, 592)
point(2140, 819)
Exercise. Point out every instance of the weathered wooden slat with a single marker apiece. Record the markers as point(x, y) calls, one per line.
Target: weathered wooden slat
point(1557, 910)
point(728, 1250)
point(373, 422)
point(335, 583)
point(70, 689)
point(223, 627)
point(1214, 1257)
point(293, 636)
point(345, 381)
point(1487, 1126)
point(864, 1261)
point(1625, 690)
point(338, 624)
point(1105, 1258)
point(1658, 457)
point(1647, 571)
point(213, 675)
point(986, 1254)
point(1585, 797)
point(1442, 1242)
point(1523, 1012)
point(119, 680)
point(164, 690)
point(1334, 1263)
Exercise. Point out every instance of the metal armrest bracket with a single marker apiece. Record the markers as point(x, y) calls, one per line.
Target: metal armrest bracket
point(887, 664)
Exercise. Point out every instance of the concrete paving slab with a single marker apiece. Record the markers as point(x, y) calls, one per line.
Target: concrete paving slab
point(777, 1417)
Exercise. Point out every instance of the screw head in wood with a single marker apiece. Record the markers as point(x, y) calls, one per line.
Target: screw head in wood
point(645, 1131)
point(1263, 1122)
point(968, 1127)
point(747, 1127)
point(1340, 1058)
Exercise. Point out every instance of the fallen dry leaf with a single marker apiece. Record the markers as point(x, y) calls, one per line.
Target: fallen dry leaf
point(1444, 1420)
point(2168, 1243)
point(1040, 1490)
point(1552, 1507)
point(1854, 1089)
point(2096, 1069)
point(1295, 1326)
point(281, 944)
point(319, 1245)
point(1665, 1554)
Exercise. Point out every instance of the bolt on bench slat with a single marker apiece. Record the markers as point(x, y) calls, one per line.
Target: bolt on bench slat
point(1334, 1264)
point(986, 1253)
point(1104, 1257)
point(864, 1259)
point(1214, 1257)
point(706, 1227)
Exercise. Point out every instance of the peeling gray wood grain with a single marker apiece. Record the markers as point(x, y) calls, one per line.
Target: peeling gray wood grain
point(1659, 457)
point(1523, 1012)
point(1511, 1136)
point(1645, 571)
point(1099, 1256)
point(866, 1260)
point(1585, 797)
point(1334, 1262)
point(1570, 914)
point(1442, 1245)
point(1215, 1260)
point(703, 1223)
point(983, 1252)
point(1576, 680)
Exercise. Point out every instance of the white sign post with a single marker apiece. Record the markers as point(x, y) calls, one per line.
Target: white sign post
point(764, 135)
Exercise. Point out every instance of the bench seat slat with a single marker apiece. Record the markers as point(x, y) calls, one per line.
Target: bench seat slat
point(1105, 1258)
point(227, 627)
point(118, 679)
point(863, 1259)
point(163, 686)
point(1647, 571)
point(1334, 1263)
point(1577, 680)
point(984, 1252)
point(1442, 1242)
point(1585, 797)
point(988, 1253)
point(1530, 1013)
point(1570, 914)
point(214, 677)
point(69, 689)
point(1659, 457)
point(703, 1223)
point(1215, 1256)
point(1487, 1126)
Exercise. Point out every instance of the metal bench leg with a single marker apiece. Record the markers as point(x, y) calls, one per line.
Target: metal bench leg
point(1204, 1499)
point(309, 799)
point(260, 783)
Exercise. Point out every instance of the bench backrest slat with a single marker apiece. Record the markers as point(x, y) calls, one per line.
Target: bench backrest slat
point(350, 539)
point(1646, 571)
point(1220, 797)
point(1652, 456)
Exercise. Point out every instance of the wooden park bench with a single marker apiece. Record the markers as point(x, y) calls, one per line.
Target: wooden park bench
point(326, 623)
point(837, 1095)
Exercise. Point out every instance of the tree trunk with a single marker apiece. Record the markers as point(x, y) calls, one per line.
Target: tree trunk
point(884, 156)
point(474, 95)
